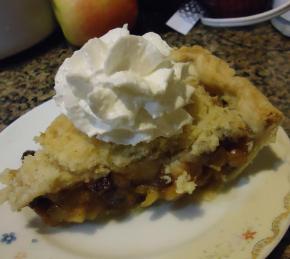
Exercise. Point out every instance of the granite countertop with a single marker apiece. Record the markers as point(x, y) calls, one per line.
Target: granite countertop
point(259, 53)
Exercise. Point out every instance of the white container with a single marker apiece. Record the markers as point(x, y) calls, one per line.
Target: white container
point(282, 23)
point(23, 23)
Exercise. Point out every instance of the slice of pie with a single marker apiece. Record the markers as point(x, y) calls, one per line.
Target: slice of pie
point(74, 178)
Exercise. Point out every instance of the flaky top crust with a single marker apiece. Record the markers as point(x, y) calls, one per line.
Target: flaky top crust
point(217, 76)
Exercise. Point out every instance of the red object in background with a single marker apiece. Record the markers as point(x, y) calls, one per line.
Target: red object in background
point(81, 20)
point(235, 8)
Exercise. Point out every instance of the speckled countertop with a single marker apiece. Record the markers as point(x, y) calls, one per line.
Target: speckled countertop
point(259, 53)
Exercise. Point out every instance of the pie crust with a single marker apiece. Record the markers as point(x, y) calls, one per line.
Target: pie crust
point(74, 178)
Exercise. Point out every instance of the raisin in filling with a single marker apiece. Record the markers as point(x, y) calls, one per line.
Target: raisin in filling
point(27, 153)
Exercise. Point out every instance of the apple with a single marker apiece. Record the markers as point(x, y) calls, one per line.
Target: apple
point(81, 20)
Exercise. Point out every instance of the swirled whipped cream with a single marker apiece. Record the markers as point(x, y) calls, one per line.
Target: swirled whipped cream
point(124, 89)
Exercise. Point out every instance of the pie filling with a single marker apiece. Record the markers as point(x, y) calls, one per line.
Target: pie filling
point(138, 186)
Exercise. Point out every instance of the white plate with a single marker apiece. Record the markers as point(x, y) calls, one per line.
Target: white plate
point(248, 20)
point(247, 221)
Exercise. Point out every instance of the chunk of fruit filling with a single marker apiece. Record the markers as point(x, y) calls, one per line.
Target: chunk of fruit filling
point(139, 185)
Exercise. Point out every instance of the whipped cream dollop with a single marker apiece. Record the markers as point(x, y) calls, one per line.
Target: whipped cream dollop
point(124, 89)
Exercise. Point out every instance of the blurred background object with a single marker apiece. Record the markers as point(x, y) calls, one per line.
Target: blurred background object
point(155, 13)
point(23, 23)
point(235, 8)
point(222, 13)
point(282, 23)
point(82, 20)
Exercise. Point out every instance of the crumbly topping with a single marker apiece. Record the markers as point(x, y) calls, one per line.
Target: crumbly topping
point(184, 184)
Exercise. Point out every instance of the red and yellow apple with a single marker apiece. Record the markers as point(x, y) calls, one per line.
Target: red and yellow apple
point(81, 20)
